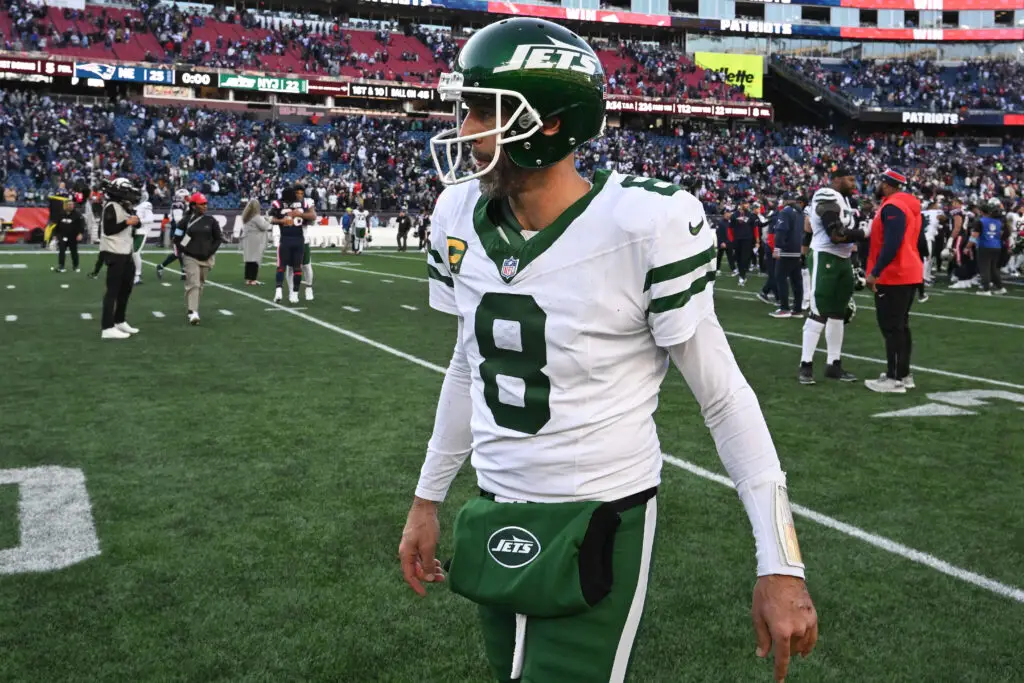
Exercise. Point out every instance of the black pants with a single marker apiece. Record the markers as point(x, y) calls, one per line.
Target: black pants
point(771, 286)
point(988, 268)
point(120, 276)
point(787, 272)
point(422, 235)
point(65, 244)
point(727, 251)
point(892, 308)
point(403, 240)
point(252, 269)
point(744, 249)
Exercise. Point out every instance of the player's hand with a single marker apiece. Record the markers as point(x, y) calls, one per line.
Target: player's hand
point(133, 220)
point(871, 281)
point(785, 621)
point(776, 253)
point(419, 542)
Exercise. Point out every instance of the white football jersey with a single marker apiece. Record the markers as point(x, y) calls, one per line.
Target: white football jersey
point(565, 332)
point(360, 218)
point(931, 223)
point(820, 241)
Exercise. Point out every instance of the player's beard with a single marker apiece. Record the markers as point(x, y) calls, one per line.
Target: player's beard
point(504, 180)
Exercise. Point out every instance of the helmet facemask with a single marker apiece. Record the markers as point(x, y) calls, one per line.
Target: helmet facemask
point(523, 116)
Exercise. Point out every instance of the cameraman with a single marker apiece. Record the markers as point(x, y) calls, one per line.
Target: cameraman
point(117, 231)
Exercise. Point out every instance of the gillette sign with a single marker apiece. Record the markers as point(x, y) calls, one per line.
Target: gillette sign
point(130, 74)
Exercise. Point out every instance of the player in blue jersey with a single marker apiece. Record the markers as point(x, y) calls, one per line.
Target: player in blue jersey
point(289, 215)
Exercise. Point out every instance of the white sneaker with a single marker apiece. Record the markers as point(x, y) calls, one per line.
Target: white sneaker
point(743, 282)
point(309, 293)
point(984, 292)
point(114, 333)
point(293, 297)
point(922, 299)
point(885, 385)
point(278, 295)
point(193, 318)
point(961, 284)
point(125, 327)
point(1001, 290)
point(908, 382)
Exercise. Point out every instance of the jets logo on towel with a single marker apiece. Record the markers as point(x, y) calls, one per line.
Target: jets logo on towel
point(513, 547)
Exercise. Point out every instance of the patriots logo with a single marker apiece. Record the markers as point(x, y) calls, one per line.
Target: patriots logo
point(509, 268)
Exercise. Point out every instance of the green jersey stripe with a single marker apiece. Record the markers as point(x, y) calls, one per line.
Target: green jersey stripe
point(670, 271)
point(437, 256)
point(434, 274)
point(680, 299)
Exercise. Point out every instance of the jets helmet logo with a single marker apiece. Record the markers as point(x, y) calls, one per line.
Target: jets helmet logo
point(513, 547)
point(557, 55)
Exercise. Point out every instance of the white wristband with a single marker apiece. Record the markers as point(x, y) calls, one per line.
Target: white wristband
point(767, 505)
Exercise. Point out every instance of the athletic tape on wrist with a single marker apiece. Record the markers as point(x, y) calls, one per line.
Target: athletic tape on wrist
point(785, 530)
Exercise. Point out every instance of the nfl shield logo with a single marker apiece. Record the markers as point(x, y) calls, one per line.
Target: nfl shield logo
point(509, 267)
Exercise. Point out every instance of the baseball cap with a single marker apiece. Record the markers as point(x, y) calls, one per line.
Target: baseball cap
point(197, 198)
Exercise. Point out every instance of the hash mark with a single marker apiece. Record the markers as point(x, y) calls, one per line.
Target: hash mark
point(87, 316)
point(408, 307)
point(157, 314)
point(351, 308)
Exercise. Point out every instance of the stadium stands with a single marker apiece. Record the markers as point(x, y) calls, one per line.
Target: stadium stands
point(384, 161)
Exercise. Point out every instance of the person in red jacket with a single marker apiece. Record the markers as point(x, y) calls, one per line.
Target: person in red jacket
point(894, 272)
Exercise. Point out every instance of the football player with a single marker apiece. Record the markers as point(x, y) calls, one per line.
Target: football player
point(179, 207)
point(144, 211)
point(360, 229)
point(571, 299)
point(304, 208)
point(288, 215)
point(932, 218)
point(833, 237)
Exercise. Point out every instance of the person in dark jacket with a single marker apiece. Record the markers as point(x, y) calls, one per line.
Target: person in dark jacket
point(743, 228)
point(789, 233)
point(721, 224)
point(988, 235)
point(69, 231)
point(201, 239)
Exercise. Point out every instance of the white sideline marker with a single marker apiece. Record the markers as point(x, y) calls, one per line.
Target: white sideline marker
point(225, 312)
point(291, 308)
point(408, 307)
point(351, 308)
point(10, 286)
point(65, 286)
point(10, 318)
point(166, 284)
point(87, 316)
point(157, 314)
point(344, 282)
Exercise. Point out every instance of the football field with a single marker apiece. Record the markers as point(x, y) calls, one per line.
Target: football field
point(224, 502)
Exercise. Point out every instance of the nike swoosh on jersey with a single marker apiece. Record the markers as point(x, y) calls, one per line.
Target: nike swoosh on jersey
point(694, 229)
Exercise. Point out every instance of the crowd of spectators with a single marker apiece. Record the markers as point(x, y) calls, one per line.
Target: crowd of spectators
point(382, 162)
point(920, 84)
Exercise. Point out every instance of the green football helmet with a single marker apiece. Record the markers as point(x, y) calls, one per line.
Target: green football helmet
point(535, 70)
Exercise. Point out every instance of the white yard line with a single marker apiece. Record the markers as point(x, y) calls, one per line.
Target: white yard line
point(919, 314)
point(875, 540)
point(764, 340)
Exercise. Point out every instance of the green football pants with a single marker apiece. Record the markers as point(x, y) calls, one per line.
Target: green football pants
point(592, 647)
point(831, 284)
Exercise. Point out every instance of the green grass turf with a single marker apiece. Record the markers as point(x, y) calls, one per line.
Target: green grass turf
point(8, 516)
point(250, 478)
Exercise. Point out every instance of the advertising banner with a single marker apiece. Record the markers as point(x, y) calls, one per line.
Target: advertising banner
point(168, 91)
point(117, 72)
point(745, 71)
point(295, 86)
